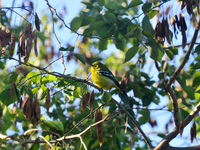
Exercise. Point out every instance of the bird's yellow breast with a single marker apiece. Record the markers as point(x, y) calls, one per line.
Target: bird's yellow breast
point(102, 81)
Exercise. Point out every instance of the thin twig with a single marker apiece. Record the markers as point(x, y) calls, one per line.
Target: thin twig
point(51, 8)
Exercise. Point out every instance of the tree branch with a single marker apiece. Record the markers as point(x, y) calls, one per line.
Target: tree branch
point(164, 144)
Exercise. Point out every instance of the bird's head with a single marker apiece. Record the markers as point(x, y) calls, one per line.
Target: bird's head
point(97, 65)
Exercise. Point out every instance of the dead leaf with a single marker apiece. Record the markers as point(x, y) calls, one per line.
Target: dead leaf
point(37, 22)
point(12, 89)
point(166, 28)
point(91, 100)
point(48, 101)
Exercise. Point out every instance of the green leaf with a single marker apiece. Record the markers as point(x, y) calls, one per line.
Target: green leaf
point(101, 31)
point(106, 97)
point(49, 78)
point(197, 49)
point(76, 23)
point(145, 116)
point(198, 57)
point(130, 53)
point(197, 94)
point(5, 97)
point(152, 13)
point(50, 124)
point(155, 51)
point(110, 5)
point(58, 125)
point(71, 48)
point(147, 27)
point(121, 135)
point(80, 57)
point(34, 77)
point(196, 66)
point(120, 44)
point(2, 65)
point(96, 25)
point(102, 45)
point(190, 91)
point(134, 3)
point(87, 20)
point(196, 82)
point(146, 7)
point(6, 114)
point(169, 54)
point(146, 100)
point(27, 90)
point(174, 50)
point(34, 146)
point(109, 17)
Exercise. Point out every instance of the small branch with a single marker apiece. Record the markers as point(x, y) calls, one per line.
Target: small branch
point(175, 106)
point(46, 141)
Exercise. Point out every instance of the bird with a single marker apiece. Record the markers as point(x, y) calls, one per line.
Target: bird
point(104, 78)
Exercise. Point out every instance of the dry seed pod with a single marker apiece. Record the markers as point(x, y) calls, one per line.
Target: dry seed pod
point(28, 31)
point(48, 101)
point(12, 89)
point(37, 22)
point(183, 5)
point(176, 21)
point(14, 108)
point(91, 101)
point(100, 134)
point(22, 46)
point(159, 33)
point(37, 113)
point(85, 100)
point(183, 29)
point(166, 28)
point(182, 127)
point(35, 46)
point(194, 128)
point(12, 47)
point(152, 122)
point(27, 108)
point(156, 64)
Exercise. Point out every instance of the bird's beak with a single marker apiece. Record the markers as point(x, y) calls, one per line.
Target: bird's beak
point(90, 64)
